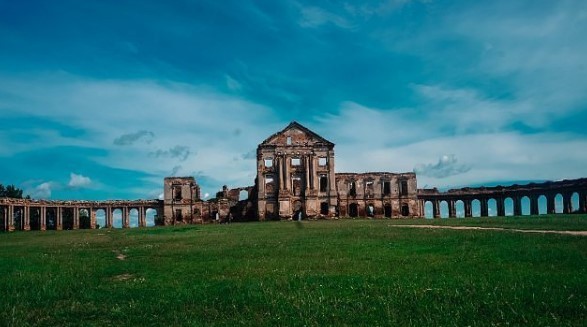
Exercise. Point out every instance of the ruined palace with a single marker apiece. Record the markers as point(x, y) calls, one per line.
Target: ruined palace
point(296, 179)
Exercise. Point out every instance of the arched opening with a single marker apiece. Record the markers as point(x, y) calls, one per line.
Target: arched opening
point(353, 210)
point(428, 210)
point(491, 208)
point(443, 209)
point(3, 219)
point(387, 210)
point(51, 219)
point(85, 221)
point(508, 204)
point(476, 208)
point(370, 210)
point(324, 208)
point(117, 218)
point(67, 218)
point(405, 210)
point(35, 218)
point(460, 209)
point(558, 203)
point(575, 202)
point(100, 218)
point(298, 210)
point(18, 218)
point(133, 217)
point(542, 205)
point(243, 195)
point(151, 217)
point(525, 203)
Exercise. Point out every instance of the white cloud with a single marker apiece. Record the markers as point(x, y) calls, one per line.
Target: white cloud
point(312, 17)
point(446, 166)
point(79, 181)
point(41, 191)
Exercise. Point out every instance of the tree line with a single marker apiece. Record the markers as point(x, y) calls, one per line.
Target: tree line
point(11, 191)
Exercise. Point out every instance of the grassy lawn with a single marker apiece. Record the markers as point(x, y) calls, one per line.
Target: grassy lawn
point(319, 273)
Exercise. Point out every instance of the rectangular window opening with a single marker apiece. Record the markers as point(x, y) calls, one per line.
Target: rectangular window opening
point(323, 183)
point(404, 188)
point(386, 188)
point(295, 161)
point(268, 162)
point(322, 161)
point(288, 140)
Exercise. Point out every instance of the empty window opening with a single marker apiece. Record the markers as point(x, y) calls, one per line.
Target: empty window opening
point(269, 185)
point(178, 215)
point(323, 183)
point(403, 189)
point(268, 162)
point(369, 189)
point(370, 210)
point(386, 188)
point(297, 185)
point(387, 210)
point(177, 193)
point(405, 210)
point(352, 189)
point(353, 210)
point(295, 161)
point(288, 140)
point(324, 208)
point(322, 161)
point(243, 195)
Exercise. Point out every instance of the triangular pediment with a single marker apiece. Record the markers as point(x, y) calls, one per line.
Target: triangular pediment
point(296, 134)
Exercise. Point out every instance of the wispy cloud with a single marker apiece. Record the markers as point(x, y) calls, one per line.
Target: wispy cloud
point(78, 181)
point(180, 152)
point(129, 139)
point(446, 166)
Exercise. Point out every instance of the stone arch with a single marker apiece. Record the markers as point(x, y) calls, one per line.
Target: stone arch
point(405, 210)
point(491, 207)
point(542, 205)
point(429, 209)
point(100, 218)
point(85, 219)
point(476, 208)
point(370, 210)
point(443, 209)
point(324, 206)
point(508, 204)
point(387, 211)
point(525, 204)
point(353, 210)
point(133, 217)
point(460, 208)
point(575, 202)
point(117, 218)
point(558, 203)
point(151, 217)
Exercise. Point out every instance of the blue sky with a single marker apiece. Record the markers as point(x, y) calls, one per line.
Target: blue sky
point(102, 99)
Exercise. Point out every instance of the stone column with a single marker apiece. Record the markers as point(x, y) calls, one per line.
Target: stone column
point(59, 218)
point(550, 206)
point(92, 215)
point(280, 178)
point(582, 202)
point(26, 218)
point(452, 210)
point(436, 209)
point(484, 208)
point(307, 168)
point(534, 205)
point(108, 216)
point(10, 218)
point(287, 179)
point(43, 217)
point(315, 177)
point(468, 208)
point(75, 218)
point(517, 206)
point(142, 221)
point(500, 203)
point(568, 203)
point(125, 218)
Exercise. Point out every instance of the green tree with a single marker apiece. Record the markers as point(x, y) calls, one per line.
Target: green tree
point(11, 191)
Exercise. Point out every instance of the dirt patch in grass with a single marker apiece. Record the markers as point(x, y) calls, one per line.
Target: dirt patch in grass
point(578, 233)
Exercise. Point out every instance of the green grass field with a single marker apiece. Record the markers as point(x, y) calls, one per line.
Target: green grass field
point(317, 273)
